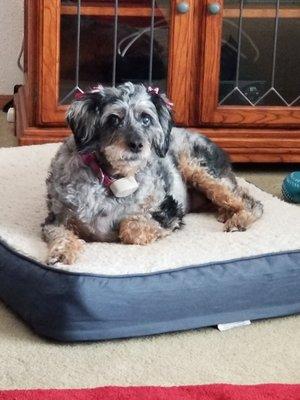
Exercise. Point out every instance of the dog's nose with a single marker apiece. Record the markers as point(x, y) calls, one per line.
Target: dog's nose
point(136, 147)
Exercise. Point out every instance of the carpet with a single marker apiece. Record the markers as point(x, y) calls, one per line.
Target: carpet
point(7, 137)
point(205, 392)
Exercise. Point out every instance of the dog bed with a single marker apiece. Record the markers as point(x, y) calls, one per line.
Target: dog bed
point(199, 276)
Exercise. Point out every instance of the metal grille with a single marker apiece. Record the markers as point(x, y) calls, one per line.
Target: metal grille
point(76, 87)
point(272, 89)
point(121, 45)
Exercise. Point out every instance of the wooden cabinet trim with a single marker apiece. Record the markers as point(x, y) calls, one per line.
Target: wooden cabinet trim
point(192, 62)
point(180, 78)
point(181, 54)
point(49, 34)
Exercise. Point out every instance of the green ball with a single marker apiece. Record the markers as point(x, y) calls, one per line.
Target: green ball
point(291, 187)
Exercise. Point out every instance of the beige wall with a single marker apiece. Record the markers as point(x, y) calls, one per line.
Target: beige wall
point(11, 35)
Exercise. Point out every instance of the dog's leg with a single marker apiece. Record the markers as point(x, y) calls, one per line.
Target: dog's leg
point(63, 245)
point(237, 209)
point(140, 229)
point(224, 214)
point(253, 210)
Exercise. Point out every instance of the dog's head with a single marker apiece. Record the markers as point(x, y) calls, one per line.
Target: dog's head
point(124, 124)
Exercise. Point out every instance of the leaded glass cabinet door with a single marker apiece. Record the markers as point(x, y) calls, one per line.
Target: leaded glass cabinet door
point(112, 42)
point(85, 43)
point(251, 74)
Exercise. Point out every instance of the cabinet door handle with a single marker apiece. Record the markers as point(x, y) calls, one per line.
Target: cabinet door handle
point(214, 8)
point(183, 7)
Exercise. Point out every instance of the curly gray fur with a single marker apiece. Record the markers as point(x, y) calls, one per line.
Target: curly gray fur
point(130, 131)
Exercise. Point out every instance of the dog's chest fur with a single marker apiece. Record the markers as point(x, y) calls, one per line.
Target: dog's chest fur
point(92, 209)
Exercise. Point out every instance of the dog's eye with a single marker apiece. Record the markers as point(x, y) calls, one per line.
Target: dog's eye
point(146, 120)
point(114, 120)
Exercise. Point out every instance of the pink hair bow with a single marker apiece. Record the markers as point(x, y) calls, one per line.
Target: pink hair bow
point(80, 94)
point(155, 91)
point(96, 89)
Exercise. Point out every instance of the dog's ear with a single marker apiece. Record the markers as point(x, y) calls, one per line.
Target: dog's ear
point(165, 115)
point(83, 118)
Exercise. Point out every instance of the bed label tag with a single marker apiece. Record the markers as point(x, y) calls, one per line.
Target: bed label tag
point(226, 327)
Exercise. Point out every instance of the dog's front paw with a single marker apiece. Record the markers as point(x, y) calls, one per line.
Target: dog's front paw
point(65, 252)
point(224, 215)
point(239, 221)
point(58, 256)
point(139, 230)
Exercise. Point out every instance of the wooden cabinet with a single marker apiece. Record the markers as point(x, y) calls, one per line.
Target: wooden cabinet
point(231, 67)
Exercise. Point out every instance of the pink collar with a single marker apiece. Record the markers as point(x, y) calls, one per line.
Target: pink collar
point(91, 161)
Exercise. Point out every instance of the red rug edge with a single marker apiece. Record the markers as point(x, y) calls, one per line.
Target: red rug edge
point(270, 391)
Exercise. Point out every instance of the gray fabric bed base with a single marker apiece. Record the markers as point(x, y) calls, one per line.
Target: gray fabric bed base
point(76, 307)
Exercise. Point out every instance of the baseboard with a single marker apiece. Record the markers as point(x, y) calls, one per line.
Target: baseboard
point(28, 135)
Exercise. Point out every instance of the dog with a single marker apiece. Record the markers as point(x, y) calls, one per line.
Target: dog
point(126, 131)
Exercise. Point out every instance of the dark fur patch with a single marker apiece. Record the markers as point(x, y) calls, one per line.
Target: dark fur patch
point(85, 121)
point(170, 214)
point(165, 117)
point(212, 157)
point(50, 219)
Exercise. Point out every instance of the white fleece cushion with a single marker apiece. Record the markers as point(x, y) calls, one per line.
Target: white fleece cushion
point(23, 171)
